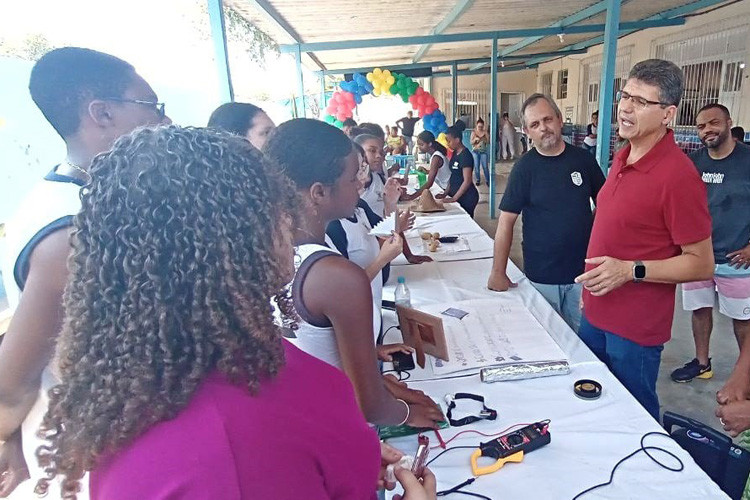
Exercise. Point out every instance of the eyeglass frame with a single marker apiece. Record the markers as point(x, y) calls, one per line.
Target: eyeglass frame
point(621, 94)
point(159, 107)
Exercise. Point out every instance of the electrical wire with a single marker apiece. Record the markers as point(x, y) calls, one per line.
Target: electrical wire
point(644, 449)
point(472, 431)
point(447, 450)
point(381, 338)
point(457, 489)
point(402, 375)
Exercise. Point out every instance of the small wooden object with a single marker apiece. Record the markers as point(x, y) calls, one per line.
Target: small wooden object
point(424, 332)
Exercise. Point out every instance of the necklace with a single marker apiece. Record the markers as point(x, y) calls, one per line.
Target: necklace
point(86, 175)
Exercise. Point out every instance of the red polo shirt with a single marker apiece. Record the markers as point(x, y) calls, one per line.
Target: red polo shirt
point(645, 211)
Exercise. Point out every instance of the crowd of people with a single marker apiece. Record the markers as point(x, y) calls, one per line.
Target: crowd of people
point(184, 295)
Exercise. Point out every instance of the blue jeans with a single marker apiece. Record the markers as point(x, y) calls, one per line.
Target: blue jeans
point(565, 300)
point(480, 159)
point(634, 365)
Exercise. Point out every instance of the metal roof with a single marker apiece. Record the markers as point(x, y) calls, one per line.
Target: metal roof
point(449, 29)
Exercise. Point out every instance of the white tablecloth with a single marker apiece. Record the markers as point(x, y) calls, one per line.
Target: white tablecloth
point(588, 437)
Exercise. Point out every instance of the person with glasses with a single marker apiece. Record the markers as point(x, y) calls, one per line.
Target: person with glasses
point(652, 230)
point(90, 99)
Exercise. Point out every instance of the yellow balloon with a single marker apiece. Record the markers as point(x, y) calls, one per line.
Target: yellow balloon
point(442, 139)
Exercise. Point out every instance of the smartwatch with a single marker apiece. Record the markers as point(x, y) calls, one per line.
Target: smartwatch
point(639, 271)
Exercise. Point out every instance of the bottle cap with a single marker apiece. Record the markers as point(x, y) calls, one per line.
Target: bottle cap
point(401, 279)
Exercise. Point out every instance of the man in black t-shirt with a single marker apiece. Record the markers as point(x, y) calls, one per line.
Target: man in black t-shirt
point(724, 166)
point(553, 186)
point(407, 130)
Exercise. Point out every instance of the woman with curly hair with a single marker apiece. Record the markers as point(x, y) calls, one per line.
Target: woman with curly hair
point(176, 382)
point(331, 294)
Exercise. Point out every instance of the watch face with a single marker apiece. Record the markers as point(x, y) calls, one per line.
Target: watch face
point(639, 271)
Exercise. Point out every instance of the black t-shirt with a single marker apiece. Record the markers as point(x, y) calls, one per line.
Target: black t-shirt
point(458, 163)
point(728, 185)
point(407, 126)
point(554, 193)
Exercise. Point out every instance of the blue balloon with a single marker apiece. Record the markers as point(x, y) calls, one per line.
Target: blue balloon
point(435, 122)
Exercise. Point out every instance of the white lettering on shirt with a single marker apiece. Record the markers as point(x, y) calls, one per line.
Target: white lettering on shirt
point(711, 178)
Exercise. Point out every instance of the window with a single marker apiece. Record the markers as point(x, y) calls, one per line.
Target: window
point(713, 64)
point(562, 84)
point(593, 92)
point(546, 84)
point(591, 74)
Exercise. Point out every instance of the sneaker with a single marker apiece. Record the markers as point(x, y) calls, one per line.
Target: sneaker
point(692, 370)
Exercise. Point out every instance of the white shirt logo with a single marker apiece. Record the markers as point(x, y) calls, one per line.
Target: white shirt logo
point(711, 178)
point(577, 179)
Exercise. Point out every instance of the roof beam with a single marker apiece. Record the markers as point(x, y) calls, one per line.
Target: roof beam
point(579, 16)
point(273, 17)
point(469, 37)
point(456, 12)
point(667, 14)
point(433, 64)
point(484, 71)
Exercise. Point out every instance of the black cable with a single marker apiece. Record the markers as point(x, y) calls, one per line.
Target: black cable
point(381, 338)
point(644, 449)
point(400, 374)
point(457, 489)
point(447, 450)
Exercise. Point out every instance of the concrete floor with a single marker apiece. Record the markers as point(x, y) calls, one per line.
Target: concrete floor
point(696, 399)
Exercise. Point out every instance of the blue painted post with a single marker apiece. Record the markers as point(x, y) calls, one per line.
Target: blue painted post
point(219, 38)
point(300, 83)
point(454, 92)
point(323, 102)
point(493, 127)
point(606, 87)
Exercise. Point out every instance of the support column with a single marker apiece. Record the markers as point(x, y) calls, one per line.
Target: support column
point(323, 103)
point(606, 86)
point(301, 113)
point(219, 38)
point(493, 127)
point(454, 92)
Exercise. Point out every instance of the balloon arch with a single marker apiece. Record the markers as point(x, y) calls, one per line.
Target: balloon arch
point(382, 82)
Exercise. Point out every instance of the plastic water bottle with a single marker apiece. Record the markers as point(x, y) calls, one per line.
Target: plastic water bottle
point(403, 296)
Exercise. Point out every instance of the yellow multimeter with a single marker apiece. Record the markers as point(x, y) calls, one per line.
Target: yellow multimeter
point(511, 447)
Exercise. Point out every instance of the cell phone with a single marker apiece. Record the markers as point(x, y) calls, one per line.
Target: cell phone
point(420, 457)
point(389, 304)
point(402, 361)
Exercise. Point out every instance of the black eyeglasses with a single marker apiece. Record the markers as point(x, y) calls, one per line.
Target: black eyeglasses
point(640, 102)
point(157, 106)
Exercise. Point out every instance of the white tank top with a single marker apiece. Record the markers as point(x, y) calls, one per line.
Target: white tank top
point(444, 172)
point(49, 206)
point(373, 194)
point(363, 248)
point(317, 340)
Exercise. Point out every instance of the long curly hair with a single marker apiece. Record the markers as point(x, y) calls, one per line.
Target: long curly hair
point(176, 258)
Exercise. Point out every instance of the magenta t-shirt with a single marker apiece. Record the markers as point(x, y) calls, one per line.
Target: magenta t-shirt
point(301, 436)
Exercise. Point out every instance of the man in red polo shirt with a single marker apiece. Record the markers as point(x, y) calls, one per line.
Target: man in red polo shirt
point(652, 230)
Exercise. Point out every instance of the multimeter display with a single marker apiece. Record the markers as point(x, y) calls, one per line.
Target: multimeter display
point(526, 439)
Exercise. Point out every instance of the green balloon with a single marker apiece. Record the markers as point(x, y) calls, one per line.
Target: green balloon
point(339, 123)
point(329, 119)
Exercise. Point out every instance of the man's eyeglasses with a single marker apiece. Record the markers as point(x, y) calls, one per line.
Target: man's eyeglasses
point(640, 102)
point(157, 106)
